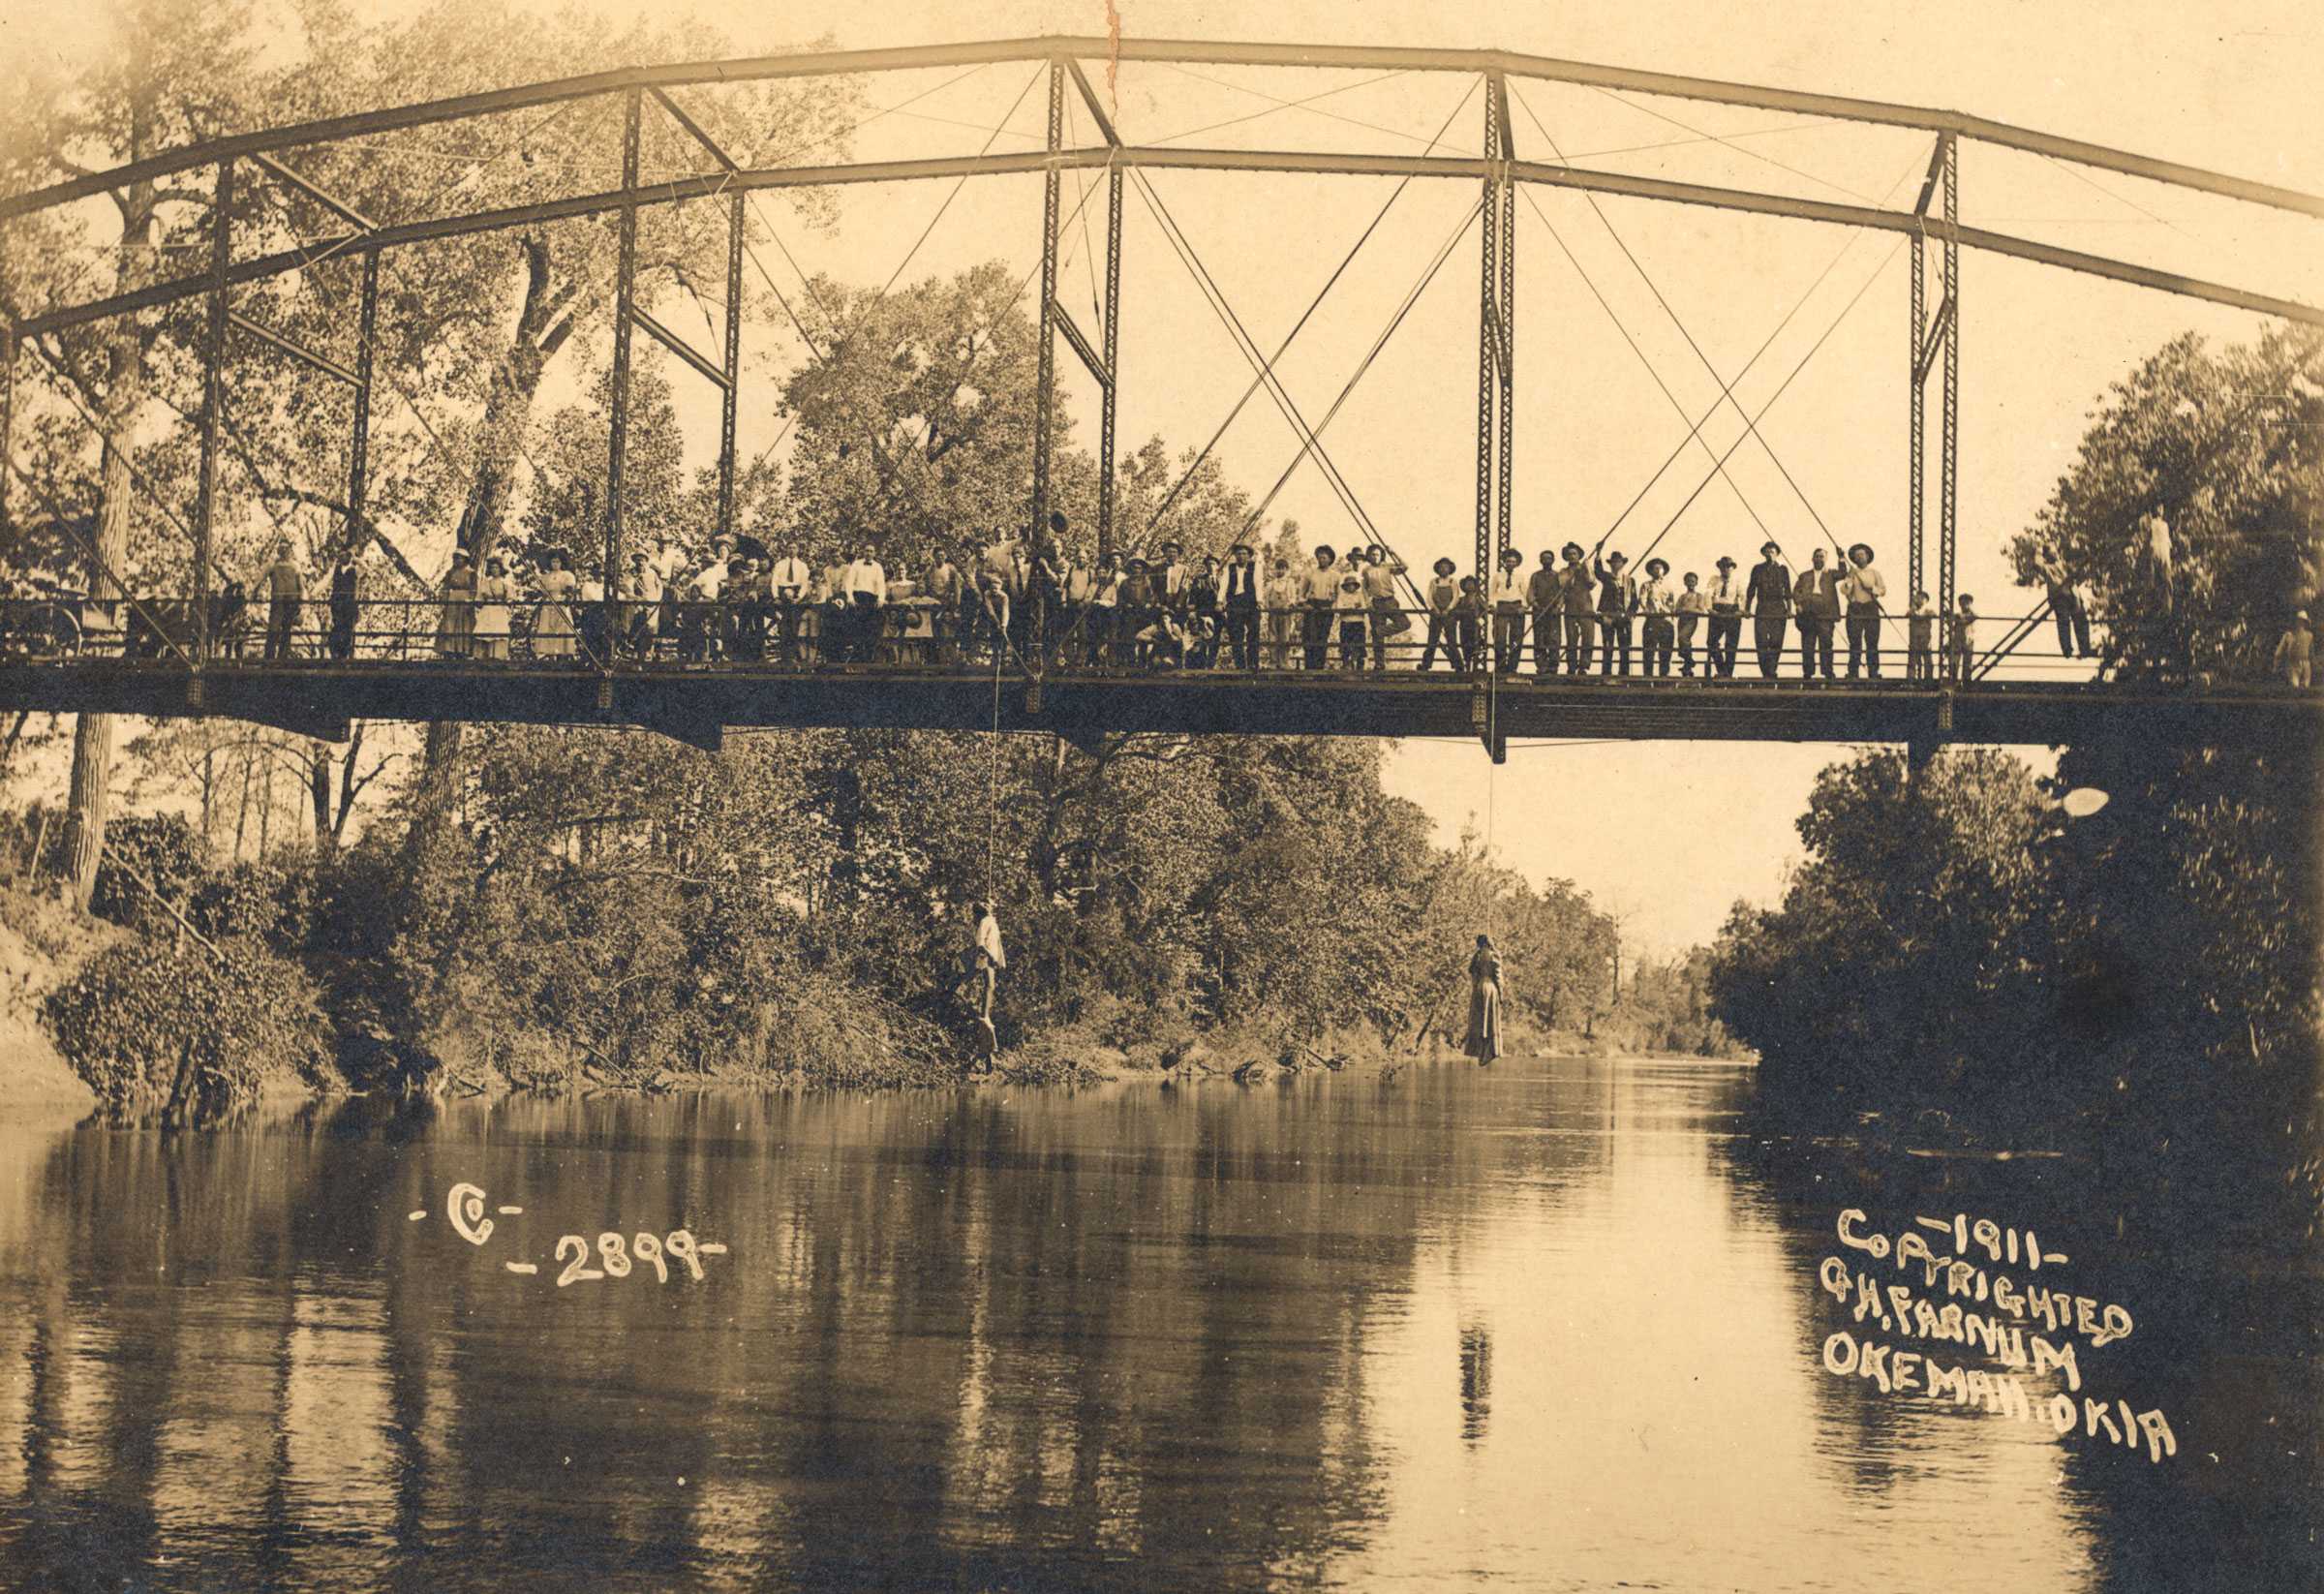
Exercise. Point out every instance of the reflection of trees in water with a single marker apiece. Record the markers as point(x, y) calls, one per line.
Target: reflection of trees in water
point(958, 1339)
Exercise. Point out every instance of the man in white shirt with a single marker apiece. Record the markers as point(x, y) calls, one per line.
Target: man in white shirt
point(1657, 605)
point(1169, 577)
point(1726, 600)
point(863, 591)
point(1320, 594)
point(1506, 599)
point(1388, 620)
point(1861, 589)
point(788, 583)
point(643, 592)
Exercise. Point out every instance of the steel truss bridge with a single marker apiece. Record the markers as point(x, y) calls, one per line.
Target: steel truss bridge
point(321, 700)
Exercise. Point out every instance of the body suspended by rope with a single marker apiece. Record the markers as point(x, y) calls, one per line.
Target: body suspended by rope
point(1484, 1002)
point(979, 977)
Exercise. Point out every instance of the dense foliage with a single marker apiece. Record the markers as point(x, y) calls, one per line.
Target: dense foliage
point(191, 1029)
point(1955, 944)
point(2227, 448)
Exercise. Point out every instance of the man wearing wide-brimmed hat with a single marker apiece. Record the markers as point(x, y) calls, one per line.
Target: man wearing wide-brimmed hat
point(1816, 603)
point(1768, 600)
point(1239, 596)
point(1657, 602)
point(1617, 602)
point(1506, 600)
point(1581, 604)
point(1444, 595)
point(1861, 589)
point(1726, 602)
point(1545, 596)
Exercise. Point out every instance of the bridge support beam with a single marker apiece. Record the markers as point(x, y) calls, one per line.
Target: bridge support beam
point(733, 363)
point(625, 303)
point(1496, 379)
point(1107, 465)
point(357, 529)
point(1934, 341)
point(1950, 469)
point(1045, 387)
point(213, 402)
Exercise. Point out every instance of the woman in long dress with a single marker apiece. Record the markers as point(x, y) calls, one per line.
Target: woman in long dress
point(553, 629)
point(456, 630)
point(493, 593)
point(1484, 1002)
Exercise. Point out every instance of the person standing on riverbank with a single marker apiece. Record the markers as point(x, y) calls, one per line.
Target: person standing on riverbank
point(1484, 1002)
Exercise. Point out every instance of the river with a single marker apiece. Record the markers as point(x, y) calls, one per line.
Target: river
point(1556, 1325)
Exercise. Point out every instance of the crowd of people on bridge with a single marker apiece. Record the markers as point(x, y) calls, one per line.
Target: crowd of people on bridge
point(1021, 600)
point(1021, 597)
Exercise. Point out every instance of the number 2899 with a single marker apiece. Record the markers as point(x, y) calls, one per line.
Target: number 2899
point(619, 1256)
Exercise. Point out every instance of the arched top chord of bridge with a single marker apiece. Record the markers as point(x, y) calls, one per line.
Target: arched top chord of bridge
point(297, 165)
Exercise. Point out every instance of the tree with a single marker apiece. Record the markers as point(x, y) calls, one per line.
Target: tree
point(2228, 447)
point(178, 73)
point(914, 415)
point(1915, 931)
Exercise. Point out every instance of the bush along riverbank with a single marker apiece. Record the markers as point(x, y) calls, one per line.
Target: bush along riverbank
point(551, 910)
point(1958, 966)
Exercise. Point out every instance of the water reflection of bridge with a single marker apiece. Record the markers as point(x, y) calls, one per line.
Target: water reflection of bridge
point(698, 704)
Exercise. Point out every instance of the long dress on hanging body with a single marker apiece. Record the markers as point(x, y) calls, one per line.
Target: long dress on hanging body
point(1485, 1005)
point(553, 632)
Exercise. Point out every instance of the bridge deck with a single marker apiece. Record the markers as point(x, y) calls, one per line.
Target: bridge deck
point(695, 703)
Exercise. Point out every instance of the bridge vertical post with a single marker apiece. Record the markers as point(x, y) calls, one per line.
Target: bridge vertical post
point(1506, 323)
point(1106, 464)
point(734, 361)
point(623, 303)
point(359, 453)
point(213, 404)
point(1915, 469)
point(1045, 395)
point(1949, 467)
point(1488, 232)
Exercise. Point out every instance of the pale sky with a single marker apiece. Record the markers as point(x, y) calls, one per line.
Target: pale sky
point(1670, 832)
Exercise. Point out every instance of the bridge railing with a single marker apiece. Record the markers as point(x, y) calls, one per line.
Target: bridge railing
point(62, 627)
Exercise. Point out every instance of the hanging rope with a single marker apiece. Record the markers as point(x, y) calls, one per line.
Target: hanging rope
point(993, 785)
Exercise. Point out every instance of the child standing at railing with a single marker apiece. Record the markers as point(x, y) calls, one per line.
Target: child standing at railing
point(1963, 642)
point(1352, 610)
point(1920, 638)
